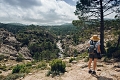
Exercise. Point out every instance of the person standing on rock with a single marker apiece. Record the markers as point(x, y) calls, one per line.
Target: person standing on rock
point(95, 41)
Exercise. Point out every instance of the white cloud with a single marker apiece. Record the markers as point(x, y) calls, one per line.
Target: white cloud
point(36, 11)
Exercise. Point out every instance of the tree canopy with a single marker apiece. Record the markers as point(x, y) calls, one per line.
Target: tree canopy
point(99, 9)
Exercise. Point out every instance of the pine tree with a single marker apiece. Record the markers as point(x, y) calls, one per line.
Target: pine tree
point(87, 9)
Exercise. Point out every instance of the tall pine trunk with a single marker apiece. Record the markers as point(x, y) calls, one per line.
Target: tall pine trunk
point(102, 28)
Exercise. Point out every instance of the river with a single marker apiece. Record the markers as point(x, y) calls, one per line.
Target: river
point(59, 45)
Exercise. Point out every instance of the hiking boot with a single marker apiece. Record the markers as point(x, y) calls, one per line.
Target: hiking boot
point(93, 72)
point(90, 71)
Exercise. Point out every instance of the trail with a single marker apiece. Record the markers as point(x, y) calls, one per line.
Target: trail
point(79, 71)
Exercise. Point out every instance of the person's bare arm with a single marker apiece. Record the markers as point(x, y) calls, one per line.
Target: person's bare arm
point(99, 49)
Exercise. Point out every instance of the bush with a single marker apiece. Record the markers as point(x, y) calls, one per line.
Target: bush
point(116, 54)
point(42, 65)
point(19, 58)
point(20, 69)
point(71, 59)
point(3, 67)
point(29, 64)
point(17, 68)
point(2, 57)
point(110, 50)
point(83, 55)
point(57, 66)
point(13, 76)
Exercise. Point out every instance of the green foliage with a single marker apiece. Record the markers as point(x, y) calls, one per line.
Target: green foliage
point(20, 69)
point(2, 57)
point(14, 28)
point(17, 68)
point(75, 53)
point(110, 50)
point(39, 41)
point(42, 65)
point(83, 55)
point(71, 59)
point(13, 76)
point(62, 30)
point(108, 44)
point(75, 39)
point(20, 58)
point(29, 64)
point(116, 54)
point(3, 67)
point(57, 66)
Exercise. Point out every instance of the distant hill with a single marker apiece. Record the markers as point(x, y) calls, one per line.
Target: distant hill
point(64, 29)
point(12, 27)
point(18, 24)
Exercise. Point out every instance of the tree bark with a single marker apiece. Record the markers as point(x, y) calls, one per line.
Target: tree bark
point(102, 29)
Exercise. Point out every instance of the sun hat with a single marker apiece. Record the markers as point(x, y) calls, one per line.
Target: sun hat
point(95, 38)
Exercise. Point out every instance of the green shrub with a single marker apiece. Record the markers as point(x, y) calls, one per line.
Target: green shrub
point(17, 68)
point(3, 67)
point(83, 55)
point(14, 76)
point(20, 58)
point(71, 59)
point(108, 44)
point(20, 69)
point(29, 64)
point(116, 54)
point(57, 66)
point(110, 50)
point(42, 65)
point(2, 57)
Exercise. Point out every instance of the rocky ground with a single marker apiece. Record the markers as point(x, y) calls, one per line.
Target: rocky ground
point(79, 71)
point(10, 47)
point(74, 71)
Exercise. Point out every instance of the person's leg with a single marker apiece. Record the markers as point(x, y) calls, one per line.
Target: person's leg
point(94, 64)
point(89, 63)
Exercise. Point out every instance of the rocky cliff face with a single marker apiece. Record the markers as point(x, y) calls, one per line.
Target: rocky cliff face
point(10, 47)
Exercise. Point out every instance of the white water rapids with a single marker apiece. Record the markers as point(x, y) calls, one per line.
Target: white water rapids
point(59, 45)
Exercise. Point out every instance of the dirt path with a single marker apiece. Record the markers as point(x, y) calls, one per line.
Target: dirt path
point(79, 71)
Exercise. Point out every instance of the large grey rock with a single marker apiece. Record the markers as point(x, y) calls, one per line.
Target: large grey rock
point(9, 46)
point(8, 38)
point(25, 52)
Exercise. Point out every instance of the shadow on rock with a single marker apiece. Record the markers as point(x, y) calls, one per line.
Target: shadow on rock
point(103, 78)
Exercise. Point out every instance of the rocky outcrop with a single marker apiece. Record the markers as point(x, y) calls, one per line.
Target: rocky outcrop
point(25, 53)
point(9, 46)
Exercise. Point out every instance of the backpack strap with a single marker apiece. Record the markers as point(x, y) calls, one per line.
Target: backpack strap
point(93, 43)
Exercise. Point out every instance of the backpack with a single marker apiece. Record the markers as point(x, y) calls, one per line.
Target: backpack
point(92, 48)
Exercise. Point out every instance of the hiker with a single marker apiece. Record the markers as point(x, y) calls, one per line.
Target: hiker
point(94, 40)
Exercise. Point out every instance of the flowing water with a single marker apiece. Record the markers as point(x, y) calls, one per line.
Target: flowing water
point(59, 45)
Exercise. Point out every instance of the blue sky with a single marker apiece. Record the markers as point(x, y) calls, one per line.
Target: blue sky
point(40, 12)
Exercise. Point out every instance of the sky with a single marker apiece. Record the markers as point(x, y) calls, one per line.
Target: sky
point(39, 12)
